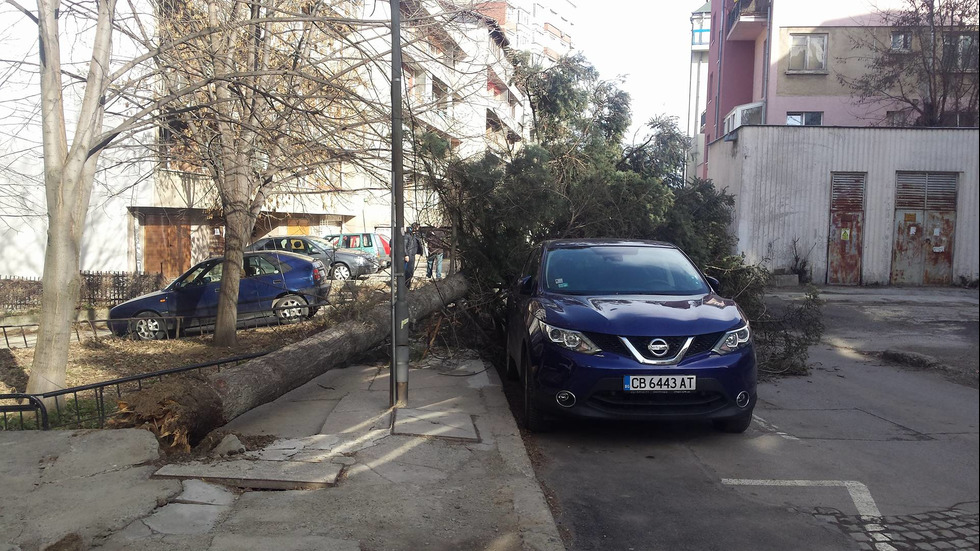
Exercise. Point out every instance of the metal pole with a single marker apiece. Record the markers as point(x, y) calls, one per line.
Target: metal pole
point(399, 368)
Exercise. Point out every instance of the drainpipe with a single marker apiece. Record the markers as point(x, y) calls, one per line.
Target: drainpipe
point(767, 55)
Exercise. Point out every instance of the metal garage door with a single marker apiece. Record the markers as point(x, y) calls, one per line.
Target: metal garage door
point(846, 228)
point(925, 220)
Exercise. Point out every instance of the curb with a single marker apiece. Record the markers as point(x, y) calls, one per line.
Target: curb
point(911, 359)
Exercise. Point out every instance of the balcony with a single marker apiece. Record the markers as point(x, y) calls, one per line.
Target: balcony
point(744, 115)
point(747, 19)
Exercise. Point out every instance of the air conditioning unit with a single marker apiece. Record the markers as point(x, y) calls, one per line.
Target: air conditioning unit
point(744, 115)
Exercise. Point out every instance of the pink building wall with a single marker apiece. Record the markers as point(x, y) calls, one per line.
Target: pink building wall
point(837, 110)
point(749, 71)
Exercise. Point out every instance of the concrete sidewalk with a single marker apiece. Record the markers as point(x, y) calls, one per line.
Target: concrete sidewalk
point(448, 472)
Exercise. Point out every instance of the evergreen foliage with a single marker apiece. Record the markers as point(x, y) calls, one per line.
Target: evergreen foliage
point(578, 180)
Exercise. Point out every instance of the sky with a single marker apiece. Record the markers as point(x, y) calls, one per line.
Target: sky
point(646, 41)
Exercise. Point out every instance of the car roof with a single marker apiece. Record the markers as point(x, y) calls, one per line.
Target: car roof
point(601, 241)
point(287, 254)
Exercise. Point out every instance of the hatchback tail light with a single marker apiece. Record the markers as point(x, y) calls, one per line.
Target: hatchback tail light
point(319, 272)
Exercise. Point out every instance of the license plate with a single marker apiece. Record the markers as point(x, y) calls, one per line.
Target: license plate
point(668, 383)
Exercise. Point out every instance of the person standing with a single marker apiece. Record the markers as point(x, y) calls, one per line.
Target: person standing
point(435, 256)
point(413, 247)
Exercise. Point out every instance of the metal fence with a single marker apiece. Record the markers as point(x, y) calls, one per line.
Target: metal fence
point(86, 406)
point(98, 289)
point(170, 327)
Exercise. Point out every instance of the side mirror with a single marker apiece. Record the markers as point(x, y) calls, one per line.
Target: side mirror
point(525, 285)
point(713, 282)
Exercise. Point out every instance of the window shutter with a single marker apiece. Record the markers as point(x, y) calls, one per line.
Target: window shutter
point(941, 191)
point(911, 190)
point(847, 191)
point(926, 190)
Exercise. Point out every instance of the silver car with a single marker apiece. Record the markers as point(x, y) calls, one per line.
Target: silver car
point(341, 263)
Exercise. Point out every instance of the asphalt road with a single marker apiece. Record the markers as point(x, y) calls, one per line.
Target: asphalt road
point(860, 454)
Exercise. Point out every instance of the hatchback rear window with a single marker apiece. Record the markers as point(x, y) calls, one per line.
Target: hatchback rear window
point(621, 270)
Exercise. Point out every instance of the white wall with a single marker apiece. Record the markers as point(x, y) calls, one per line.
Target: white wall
point(121, 179)
point(780, 177)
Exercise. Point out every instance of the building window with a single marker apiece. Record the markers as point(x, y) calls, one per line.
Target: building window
point(804, 118)
point(960, 119)
point(901, 41)
point(808, 52)
point(699, 37)
point(897, 118)
point(960, 52)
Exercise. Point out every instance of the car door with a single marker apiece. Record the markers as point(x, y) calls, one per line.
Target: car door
point(518, 300)
point(196, 294)
point(262, 284)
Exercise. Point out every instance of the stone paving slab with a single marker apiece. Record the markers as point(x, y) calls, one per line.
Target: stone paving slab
point(237, 542)
point(289, 419)
point(185, 518)
point(202, 493)
point(433, 423)
point(356, 422)
point(448, 399)
point(276, 475)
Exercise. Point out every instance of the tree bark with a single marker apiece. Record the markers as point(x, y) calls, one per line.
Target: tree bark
point(238, 389)
point(69, 174)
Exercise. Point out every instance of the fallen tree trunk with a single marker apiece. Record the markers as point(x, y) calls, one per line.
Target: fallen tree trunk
point(183, 411)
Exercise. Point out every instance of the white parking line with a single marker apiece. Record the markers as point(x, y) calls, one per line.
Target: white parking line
point(772, 428)
point(860, 494)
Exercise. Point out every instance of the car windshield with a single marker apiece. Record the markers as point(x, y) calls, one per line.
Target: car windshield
point(202, 274)
point(321, 244)
point(621, 270)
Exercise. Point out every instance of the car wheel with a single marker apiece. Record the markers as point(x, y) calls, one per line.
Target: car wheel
point(148, 326)
point(290, 308)
point(735, 425)
point(340, 271)
point(534, 419)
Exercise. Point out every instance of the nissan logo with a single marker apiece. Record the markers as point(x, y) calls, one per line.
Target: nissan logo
point(658, 347)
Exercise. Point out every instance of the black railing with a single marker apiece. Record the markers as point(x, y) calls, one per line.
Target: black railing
point(746, 7)
point(23, 335)
point(86, 406)
point(97, 289)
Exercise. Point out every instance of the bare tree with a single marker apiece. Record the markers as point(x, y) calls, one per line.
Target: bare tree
point(921, 67)
point(69, 172)
point(278, 99)
point(265, 98)
point(288, 90)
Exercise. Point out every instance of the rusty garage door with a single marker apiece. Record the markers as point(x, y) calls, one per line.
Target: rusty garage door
point(925, 217)
point(846, 228)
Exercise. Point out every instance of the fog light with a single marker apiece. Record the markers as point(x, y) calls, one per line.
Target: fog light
point(742, 399)
point(565, 398)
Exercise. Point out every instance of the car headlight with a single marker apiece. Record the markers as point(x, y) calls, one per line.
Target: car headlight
point(733, 340)
point(572, 340)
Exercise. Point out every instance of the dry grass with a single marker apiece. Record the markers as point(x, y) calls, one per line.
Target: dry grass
point(92, 361)
point(107, 358)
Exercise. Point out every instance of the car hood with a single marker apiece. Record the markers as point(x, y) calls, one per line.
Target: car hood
point(642, 315)
point(123, 310)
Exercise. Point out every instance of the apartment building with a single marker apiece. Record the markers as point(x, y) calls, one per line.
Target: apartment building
point(820, 173)
point(697, 88)
point(159, 215)
point(542, 27)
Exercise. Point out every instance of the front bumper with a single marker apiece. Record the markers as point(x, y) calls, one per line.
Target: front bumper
point(597, 384)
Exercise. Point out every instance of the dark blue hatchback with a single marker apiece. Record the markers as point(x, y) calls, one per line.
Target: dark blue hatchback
point(286, 285)
point(621, 329)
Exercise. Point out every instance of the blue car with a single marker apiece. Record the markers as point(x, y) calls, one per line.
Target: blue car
point(283, 284)
point(622, 329)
